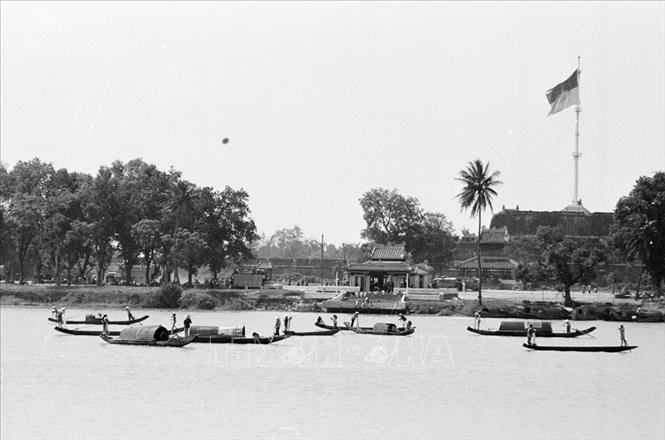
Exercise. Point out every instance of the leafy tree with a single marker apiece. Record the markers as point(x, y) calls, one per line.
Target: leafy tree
point(477, 195)
point(148, 236)
point(566, 260)
point(223, 218)
point(181, 202)
point(28, 185)
point(98, 228)
point(639, 226)
point(190, 252)
point(78, 249)
point(390, 217)
point(433, 241)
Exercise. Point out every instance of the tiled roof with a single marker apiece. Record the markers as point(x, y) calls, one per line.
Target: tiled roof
point(380, 266)
point(488, 263)
point(389, 253)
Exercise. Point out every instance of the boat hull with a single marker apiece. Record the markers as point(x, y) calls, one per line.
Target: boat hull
point(99, 332)
point(606, 349)
point(574, 334)
point(321, 333)
point(171, 342)
point(227, 339)
point(339, 327)
point(374, 332)
point(98, 321)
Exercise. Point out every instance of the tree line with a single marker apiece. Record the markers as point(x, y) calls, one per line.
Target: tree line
point(68, 225)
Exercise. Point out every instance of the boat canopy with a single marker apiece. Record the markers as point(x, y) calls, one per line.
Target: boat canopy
point(540, 326)
point(144, 333)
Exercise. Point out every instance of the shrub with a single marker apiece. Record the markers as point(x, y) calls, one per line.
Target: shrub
point(169, 296)
point(198, 299)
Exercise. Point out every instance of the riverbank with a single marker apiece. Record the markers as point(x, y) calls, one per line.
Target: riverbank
point(496, 303)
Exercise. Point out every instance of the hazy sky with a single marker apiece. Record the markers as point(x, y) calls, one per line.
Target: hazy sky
point(324, 101)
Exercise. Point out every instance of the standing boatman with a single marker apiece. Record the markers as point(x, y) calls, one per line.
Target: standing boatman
point(130, 317)
point(355, 319)
point(476, 316)
point(622, 333)
point(187, 323)
point(530, 335)
point(105, 325)
point(278, 324)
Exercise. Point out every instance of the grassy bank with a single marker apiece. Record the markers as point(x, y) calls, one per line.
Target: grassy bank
point(497, 304)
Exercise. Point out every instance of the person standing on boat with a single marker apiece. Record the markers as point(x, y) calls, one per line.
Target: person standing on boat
point(476, 315)
point(187, 323)
point(334, 320)
point(287, 321)
point(105, 325)
point(173, 322)
point(530, 335)
point(130, 317)
point(355, 319)
point(61, 318)
point(622, 333)
point(566, 324)
point(278, 324)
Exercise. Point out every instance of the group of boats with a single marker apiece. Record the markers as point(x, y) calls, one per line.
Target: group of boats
point(158, 335)
point(543, 329)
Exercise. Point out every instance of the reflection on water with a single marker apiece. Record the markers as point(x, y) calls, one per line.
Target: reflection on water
point(443, 382)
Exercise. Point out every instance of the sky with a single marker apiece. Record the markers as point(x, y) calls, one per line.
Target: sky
point(324, 101)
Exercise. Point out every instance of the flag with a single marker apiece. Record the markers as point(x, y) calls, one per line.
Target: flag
point(565, 94)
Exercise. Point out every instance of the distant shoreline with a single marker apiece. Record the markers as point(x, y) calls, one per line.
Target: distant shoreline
point(508, 304)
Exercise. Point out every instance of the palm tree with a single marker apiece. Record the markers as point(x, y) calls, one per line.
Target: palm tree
point(180, 203)
point(477, 194)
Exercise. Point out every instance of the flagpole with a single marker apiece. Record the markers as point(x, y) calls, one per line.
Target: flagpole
point(577, 154)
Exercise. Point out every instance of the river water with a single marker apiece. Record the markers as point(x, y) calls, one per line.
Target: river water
point(443, 382)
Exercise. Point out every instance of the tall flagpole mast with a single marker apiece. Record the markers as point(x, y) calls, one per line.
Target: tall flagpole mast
point(577, 154)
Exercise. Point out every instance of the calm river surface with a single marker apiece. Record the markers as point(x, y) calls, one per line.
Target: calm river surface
point(443, 382)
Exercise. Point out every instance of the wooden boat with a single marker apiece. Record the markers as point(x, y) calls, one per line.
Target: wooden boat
point(77, 332)
point(228, 339)
point(321, 324)
point(607, 349)
point(518, 328)
point(152, 335)
point(96, 320)
point(315, 333)
point(385, 329)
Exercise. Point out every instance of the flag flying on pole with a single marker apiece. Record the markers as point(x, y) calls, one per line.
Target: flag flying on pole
point(565, 94)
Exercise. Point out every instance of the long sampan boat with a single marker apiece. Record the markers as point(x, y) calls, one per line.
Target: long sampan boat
point(320, 324)
point(78, 332)
point(226, 339)
point(97, 320)
point(384, 329)
point(229, 335)
point(581, 348)
point(518, 328)
point(315, 333)
point(152, 335)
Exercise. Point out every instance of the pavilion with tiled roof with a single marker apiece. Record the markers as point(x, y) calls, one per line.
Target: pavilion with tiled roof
point(492, 242)
point(387, 269)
